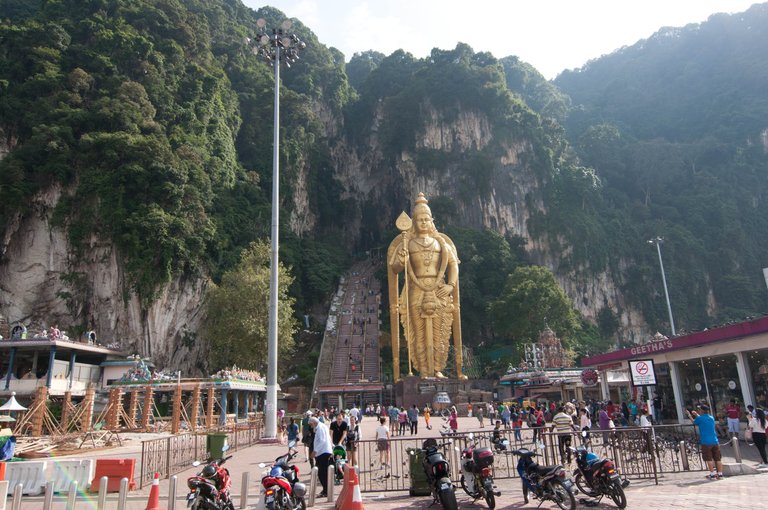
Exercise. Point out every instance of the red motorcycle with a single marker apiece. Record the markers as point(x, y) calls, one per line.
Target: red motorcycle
point(282, 488)
point(477, 473)
point(209, 489)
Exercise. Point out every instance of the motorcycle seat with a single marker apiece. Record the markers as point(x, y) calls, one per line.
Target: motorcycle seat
point(545, 470)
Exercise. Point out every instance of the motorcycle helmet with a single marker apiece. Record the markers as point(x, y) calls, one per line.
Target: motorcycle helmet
point(209, 471)
point(591, 457)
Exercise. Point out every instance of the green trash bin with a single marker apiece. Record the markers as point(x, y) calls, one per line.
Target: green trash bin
point(216, 444)
point(419, 484)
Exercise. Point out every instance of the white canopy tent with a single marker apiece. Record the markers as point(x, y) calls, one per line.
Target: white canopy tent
point(12, 405)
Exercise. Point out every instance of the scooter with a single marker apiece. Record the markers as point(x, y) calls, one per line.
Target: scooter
point(546, 483)
point(438, 473)
point(477, 473)
point(282, 488)
point(209, 489)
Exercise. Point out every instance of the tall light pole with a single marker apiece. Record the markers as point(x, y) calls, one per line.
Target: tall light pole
point(657, 241)
point(277, 47)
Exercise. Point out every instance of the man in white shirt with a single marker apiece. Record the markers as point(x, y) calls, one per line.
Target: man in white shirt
point(356, 413)
point(322, 450)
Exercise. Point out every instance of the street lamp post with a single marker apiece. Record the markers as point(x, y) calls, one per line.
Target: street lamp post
point(657, 241)
point(276, 48)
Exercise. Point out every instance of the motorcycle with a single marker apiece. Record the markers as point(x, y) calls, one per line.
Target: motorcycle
point(205, 492)
point(546, 483)
point(438, 473)
point(597, 478)
point(282, 488)
point(477, 473)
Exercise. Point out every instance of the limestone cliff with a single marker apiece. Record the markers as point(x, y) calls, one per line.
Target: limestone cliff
point(368, 177)
point(43, 281)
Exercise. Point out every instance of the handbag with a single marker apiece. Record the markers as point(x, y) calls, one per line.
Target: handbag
point(748, 435)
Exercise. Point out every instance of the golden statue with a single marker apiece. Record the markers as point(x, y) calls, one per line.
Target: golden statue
point(428, 307)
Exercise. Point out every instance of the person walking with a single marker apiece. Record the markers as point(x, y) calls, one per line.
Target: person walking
point(427, 414)
point(710, 447)
point(323, 451)
point(402, 418)
point(517, 423)
point(479, 412)
point(413, 419)
point(293, 435)
point(308, 437)
point(758, 425)
point(585, 424)
point(562, 424)
point(353, 435)
point(453, 420)
point(382, 441)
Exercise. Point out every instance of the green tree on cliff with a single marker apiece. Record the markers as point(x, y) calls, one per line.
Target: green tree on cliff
point(532, 299)
point(238, 312)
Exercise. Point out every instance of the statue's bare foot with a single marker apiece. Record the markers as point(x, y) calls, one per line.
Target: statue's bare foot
point(463, 377)
point(440, 375)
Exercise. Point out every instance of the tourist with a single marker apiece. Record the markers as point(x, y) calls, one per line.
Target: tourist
point(757, 426)
point(322, 451)
point(517, 423)
point(585, 424)
point(339, 429)
point(633, 414)
point(506, 416)
point(382, 441)
point(353, 434)
point(562, 424)
point(293, 435)
point(658, 406)
point(394, 418)
point(402, 419)
point(308, 437)
point(710, 447)
point(453, 420)
point(479, 411)
point(413, 419)
point(427, 412)
point(733, 412)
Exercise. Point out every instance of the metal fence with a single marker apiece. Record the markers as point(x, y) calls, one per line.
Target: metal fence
point(639, 453)
point(173, 454)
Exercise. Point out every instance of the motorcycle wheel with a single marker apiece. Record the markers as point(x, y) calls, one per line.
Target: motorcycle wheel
point(583, 486)
point(448, 499)
point(617, 494)
point(490, 500)
point(562, 496)
point(464, 486)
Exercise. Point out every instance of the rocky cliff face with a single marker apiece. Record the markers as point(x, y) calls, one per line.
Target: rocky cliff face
point(368, 177)
point(44, 282)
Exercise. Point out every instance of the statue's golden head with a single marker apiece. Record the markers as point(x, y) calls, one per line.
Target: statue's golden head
point(422, 216)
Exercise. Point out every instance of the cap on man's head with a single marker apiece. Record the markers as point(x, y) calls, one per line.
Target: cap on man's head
point(704, 407)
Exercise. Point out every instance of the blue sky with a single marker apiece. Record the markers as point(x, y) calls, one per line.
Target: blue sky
point(552, 35)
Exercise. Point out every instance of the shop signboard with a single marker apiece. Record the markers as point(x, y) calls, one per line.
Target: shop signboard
point(642, 372)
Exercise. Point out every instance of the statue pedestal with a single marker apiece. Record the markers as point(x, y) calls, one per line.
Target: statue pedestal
point(413, 389)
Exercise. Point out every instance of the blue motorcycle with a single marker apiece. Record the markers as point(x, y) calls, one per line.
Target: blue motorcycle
point(545, 483)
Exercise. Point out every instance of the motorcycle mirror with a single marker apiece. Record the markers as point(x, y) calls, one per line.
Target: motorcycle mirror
point(583, 433)
point(450, 441)
point(456, 448)
point(225, 448)
point(292, 443)
point(196, 463)
point(262, 465)
point(471, 436)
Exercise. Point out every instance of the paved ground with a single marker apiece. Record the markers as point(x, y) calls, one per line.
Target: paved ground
point(674, 491)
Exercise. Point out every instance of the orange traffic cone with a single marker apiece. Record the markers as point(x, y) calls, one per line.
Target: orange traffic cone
point(353, 499)
point(154, 494)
